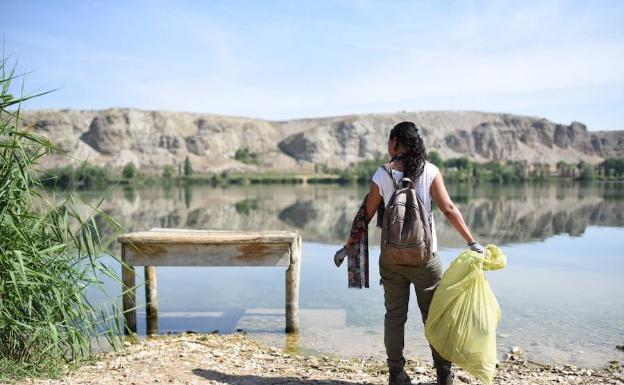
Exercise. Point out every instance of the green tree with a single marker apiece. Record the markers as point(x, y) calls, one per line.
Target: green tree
point(464, 168)
point(518, 170)
point(462, 163)
point(587, 171)
point(188, 169)
point(495, 170)
point(435, 158)
point(129, 170)
point(613, 167)
point(168, 171)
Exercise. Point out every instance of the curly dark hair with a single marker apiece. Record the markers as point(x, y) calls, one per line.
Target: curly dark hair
point(414, 158)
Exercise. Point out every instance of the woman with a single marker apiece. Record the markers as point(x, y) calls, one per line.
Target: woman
point(407, 152)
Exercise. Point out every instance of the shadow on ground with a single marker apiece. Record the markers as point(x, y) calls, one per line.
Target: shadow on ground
point(259, 380)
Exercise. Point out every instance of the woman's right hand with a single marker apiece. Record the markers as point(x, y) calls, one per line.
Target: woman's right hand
point(476, 246)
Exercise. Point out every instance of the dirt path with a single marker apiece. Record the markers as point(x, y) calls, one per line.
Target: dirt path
point(238, 360)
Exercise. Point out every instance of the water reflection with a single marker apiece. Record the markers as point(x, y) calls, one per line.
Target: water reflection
point(323, 213)
point(549, 292)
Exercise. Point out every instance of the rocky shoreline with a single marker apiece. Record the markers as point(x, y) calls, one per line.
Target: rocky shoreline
point(235, 359)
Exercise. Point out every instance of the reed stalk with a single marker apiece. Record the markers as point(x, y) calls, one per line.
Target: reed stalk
point(50, 254)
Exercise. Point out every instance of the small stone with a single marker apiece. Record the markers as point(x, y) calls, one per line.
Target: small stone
point(419, 370)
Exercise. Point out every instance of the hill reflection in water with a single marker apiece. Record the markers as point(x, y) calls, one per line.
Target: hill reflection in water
point(323, 213)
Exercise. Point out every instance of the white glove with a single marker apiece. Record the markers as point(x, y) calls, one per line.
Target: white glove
point(476, 246)
point(340, 256)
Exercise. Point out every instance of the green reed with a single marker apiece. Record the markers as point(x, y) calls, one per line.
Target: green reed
point(50, 253)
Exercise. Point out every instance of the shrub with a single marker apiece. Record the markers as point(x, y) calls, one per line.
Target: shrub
point(168, 171)
point(129, 171)
point(85, 176)
point(245, 156)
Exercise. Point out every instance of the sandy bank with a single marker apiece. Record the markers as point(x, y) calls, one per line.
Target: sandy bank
point(237, 360)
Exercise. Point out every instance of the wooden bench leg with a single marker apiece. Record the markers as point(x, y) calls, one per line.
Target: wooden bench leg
point(291, 345)
point(129, 297)
point(151, 301)
point(292, 288)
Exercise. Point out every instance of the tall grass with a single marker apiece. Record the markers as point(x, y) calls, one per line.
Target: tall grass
point(50, 253)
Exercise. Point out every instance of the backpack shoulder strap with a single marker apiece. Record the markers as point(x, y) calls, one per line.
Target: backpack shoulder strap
point(386, 167)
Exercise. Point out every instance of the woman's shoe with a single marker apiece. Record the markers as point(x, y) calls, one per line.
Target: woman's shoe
point(445, 376)
point(399, 377)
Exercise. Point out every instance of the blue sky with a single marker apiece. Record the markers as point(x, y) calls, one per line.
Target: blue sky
point(562, 60)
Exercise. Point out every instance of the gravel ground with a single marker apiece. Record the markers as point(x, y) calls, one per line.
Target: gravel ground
point(238, 360)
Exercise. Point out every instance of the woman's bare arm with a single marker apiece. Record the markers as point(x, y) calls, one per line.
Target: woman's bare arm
point(448, 208)
point(373, 201)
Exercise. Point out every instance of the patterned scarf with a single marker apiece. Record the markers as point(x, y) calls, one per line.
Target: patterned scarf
point(357, 247)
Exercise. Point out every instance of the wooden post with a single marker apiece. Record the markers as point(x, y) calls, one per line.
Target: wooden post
point(292, 287)
point(129, 297)
point(151, 301)
point(291, 345)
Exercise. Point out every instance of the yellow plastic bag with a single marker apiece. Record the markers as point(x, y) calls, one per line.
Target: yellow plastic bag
point(464, 314)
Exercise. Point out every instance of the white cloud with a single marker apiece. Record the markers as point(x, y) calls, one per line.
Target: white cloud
point(493, 56)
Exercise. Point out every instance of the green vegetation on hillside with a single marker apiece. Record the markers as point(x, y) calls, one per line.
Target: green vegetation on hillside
point(246, 156)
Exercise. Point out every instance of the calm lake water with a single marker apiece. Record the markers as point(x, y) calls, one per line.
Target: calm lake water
point(561, 294)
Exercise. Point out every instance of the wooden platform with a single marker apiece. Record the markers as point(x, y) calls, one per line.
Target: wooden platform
point(185, 247)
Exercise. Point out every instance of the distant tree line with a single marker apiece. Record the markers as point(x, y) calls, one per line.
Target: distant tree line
point(461, 169)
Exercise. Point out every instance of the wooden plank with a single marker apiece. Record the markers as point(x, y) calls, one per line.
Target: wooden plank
point(151, 301)
point(168, 254)
point(129, 295)
point(161, 236)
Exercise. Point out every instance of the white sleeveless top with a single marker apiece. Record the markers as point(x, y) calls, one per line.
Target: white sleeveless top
point(423, 189)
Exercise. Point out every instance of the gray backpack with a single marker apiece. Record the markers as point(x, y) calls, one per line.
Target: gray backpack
point(406, 229)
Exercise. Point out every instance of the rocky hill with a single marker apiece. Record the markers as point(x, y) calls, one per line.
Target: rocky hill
point(152, 139)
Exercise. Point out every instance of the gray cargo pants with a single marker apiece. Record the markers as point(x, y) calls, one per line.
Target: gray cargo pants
point(396, 280)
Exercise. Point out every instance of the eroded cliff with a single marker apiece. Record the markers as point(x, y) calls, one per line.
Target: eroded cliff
point(152, 139)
